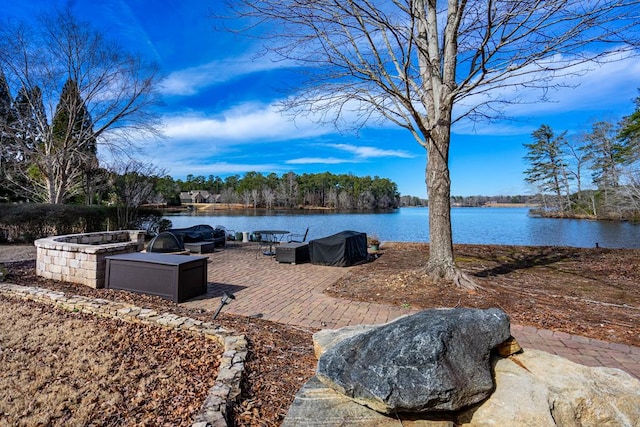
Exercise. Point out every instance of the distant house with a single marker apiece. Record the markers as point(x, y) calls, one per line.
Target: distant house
point(198, 196)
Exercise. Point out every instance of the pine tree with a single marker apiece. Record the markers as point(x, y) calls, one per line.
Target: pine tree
point(6, 139)
point(607, 153)
point(73, 137)
point(72, 122)
point(629, 133)
point(5, 117)
point(5, 103)
point(29, 124)
point(548, 169)
point(29, 130)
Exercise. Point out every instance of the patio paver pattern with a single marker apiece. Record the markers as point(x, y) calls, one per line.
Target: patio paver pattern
point(293, 294)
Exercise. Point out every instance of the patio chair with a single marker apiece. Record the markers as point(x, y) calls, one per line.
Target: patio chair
point(229, 235)
point(298, 238)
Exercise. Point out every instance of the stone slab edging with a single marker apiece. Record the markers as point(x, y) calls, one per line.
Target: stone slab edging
point(227, 385)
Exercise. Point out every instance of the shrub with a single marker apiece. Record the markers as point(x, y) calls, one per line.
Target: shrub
point(27, 222)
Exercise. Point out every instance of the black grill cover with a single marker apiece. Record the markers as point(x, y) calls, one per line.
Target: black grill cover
point(197, 233)
point(341, 250)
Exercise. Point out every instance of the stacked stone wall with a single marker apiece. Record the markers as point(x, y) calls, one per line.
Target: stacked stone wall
point(81, 258)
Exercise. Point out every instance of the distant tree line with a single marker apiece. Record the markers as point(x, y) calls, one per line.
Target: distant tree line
point(595, 174)
point(478, 201)
point(412, 201)
point(290, 190)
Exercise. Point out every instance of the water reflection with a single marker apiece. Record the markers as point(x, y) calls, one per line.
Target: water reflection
point(503, 226)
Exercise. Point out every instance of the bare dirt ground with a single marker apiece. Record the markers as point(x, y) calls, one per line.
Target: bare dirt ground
point(590, 292)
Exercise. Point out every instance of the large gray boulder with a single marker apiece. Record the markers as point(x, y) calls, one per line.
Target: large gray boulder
point(434, 360)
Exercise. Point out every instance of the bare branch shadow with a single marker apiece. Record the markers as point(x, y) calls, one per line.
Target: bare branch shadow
point(542, 256)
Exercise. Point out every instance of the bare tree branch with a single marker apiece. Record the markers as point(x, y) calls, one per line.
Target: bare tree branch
point(118, 92)
point(416, 63)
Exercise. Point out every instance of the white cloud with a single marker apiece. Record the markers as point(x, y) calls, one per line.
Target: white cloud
point(244, 123)
point(230, 142)
point(192, 136)
point(600, 88)
point(317, 160)
point(190, 80)
point(369, 152)
point(583, 88)
point(359, 154)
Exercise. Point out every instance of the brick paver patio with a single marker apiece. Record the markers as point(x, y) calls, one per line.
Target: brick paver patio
point(293, 294)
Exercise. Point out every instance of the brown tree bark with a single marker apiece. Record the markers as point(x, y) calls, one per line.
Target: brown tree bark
point(441, 264)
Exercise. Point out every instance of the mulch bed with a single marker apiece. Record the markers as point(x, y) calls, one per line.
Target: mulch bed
point(589, 292)
point(70, 368)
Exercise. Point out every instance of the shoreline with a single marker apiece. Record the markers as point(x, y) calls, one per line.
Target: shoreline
point(199, 207)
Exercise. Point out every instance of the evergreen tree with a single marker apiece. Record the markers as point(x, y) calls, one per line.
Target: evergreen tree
point(72, 121)
point(548, 169)
point(609, 153)
point(27, 127)
point(5, 118)
point(606, 153)
point(5, 104)
point(6, 138)
point(74, 139)
point(629, 133)
point(30, 121)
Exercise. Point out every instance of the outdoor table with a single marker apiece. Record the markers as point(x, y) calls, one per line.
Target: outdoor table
point(271, 237)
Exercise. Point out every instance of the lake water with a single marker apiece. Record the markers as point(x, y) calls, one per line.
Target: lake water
point(501, 226)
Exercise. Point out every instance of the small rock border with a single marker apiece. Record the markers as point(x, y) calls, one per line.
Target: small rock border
point(227, 386)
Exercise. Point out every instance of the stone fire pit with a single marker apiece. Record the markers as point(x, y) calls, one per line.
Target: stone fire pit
point(80, 258)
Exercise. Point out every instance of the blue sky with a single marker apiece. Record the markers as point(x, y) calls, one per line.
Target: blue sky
point(219, 116)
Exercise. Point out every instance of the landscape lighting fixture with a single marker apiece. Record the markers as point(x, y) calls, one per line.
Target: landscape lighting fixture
point(226, 299)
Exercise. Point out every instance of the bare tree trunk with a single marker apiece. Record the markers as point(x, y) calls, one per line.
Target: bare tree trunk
point(441, 264)
point(438, 67)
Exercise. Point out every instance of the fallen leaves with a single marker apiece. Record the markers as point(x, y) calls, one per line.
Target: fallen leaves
point(82, 369)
